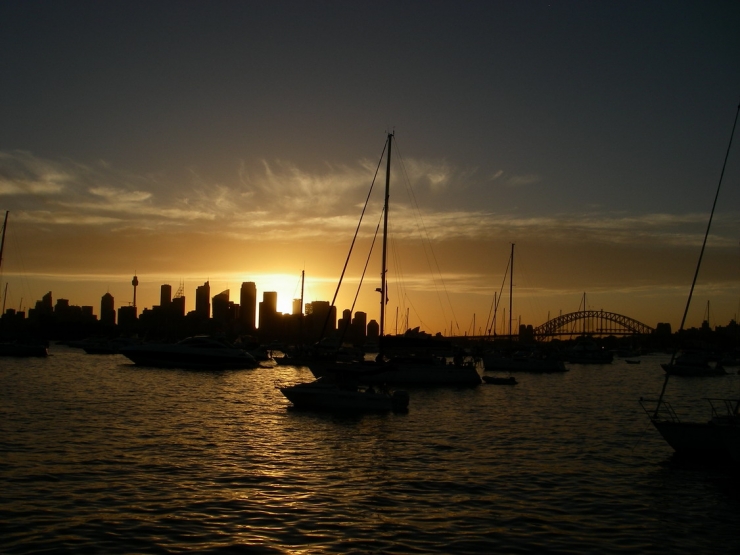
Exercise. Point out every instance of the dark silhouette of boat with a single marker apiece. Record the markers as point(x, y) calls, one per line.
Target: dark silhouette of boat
point(198, 353)
point(17, 347)
point(719, 437)
point(345, 396)
point(693, 364)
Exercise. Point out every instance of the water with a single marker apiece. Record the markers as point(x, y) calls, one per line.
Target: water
point(99, 456)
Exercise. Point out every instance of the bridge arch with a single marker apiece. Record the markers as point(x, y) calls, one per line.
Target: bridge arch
point(591, 322)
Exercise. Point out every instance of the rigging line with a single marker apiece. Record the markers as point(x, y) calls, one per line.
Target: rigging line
point(418, 315)
point(400, 281)
point(428, 243)
point(352, 245)
point(497, 300)
point(701, 254)
point(362, 277)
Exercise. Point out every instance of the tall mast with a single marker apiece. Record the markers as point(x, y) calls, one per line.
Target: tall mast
point(384, 269)
point(2, 247)
point(303, 277)
point(2, 242)
point(511, 291)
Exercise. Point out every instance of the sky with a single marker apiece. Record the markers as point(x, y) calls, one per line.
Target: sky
point(231, 141)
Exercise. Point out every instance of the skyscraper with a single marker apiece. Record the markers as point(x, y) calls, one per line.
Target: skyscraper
point(248, 305)
point(165, 296)
point(203, 301)
point(107, 310)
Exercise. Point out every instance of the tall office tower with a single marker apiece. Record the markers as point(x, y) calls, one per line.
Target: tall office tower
point(178, 303)
point(359, 325)
point(107, 310)
point(248, 305)
point(297, 307)
point(165, 295)
point(318, 315)
point(221, 310)
point(373, 330)
point(345, 321)
point(270, 300)
point(268, 312)
point(45, 305)
point(203, 301)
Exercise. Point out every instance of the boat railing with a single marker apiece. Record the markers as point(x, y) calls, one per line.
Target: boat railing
point(726, 411)
point(659, 410)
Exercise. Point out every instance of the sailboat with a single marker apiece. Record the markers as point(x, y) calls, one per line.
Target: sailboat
point(18, 347)
point(719, 437)
point(522, 360)
point(395, 370)
point(340, 386)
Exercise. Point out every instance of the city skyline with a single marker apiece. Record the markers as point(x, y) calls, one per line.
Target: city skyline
point(232, 142)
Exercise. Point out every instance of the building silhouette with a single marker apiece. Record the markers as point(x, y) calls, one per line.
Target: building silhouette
point(165, 296)
point(107, 310)
point(248, 306)
point(203, 301)
point(225, 311)
point(269, 322)
point(321, 320)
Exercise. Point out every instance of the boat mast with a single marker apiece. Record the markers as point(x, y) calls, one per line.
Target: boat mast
point(385, 247)
point(698, 263)
point(2, 242)
point(303, 277)
point(511, 291)
point(2, 247)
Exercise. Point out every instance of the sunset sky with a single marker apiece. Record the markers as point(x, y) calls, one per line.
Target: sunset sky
point(236, 141)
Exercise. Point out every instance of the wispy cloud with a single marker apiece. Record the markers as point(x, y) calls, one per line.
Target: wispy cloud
point(280, 201)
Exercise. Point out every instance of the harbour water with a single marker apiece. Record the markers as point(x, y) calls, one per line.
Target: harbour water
point(99, 456)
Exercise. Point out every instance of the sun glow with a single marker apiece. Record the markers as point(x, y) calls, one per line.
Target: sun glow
point(287, 287)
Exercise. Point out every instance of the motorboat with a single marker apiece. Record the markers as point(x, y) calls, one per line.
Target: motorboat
point(22, 349)
point(693, 365)
point(717, 438)
point(198, 352)
point(588, 352)
point(327, 394)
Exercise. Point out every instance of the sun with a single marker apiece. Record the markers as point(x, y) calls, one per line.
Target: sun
point(287, 287)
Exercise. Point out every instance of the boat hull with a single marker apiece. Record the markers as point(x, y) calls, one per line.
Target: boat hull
point(690, 370)
point(193, 353)
point(21, 350)
point(332, 397)
point(694, 439)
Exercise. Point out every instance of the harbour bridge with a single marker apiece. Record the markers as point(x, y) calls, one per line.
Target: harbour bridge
point(586, 322)
point(590, 322)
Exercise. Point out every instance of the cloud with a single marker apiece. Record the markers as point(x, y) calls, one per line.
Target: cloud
point(515, 181)
point(280, 201)
point(21, 173)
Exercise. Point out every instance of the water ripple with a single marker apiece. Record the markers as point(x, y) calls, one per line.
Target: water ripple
point(101, 456)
